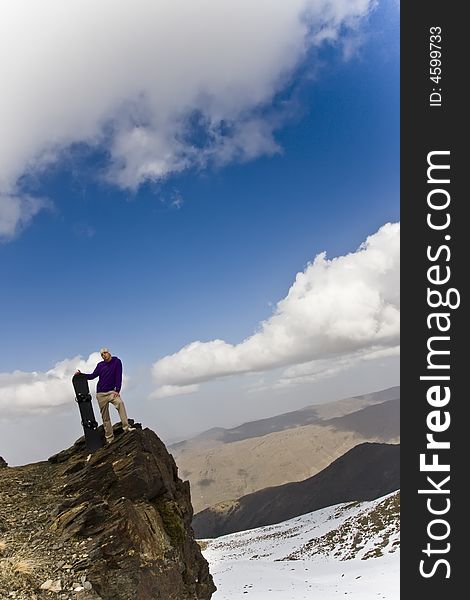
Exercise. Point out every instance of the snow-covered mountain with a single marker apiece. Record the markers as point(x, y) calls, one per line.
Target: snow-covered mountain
point(350, 548)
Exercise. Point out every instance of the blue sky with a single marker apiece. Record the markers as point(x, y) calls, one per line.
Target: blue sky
point(205, 252)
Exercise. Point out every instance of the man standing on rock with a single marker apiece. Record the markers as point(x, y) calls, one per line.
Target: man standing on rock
point(109, 373)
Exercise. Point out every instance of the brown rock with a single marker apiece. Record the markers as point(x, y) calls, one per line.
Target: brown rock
point(134, 512)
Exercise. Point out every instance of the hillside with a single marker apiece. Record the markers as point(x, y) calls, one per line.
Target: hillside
point(366, 472)
point(348, 549)
point(224, 464)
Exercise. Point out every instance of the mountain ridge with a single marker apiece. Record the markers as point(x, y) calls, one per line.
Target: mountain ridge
point(365, 472)
point(316, 412)
point(221, 471)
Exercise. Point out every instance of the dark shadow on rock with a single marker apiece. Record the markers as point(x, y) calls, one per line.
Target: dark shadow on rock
point(129, 508)
point(379, 421)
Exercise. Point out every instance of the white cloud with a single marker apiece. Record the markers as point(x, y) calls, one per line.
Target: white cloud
point(336, 312)
point(16, 212)
point(315, 370)
point(22, 392)
point(166, 391)
point(133, 76)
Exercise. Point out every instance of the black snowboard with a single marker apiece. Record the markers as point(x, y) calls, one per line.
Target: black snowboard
point(90, 426)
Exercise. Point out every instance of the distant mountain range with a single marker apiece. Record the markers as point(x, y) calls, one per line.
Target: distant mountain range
point(365, 472)
point(225, 464)
point(347, 549)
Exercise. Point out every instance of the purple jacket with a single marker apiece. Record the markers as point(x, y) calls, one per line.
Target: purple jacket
point(109, 373)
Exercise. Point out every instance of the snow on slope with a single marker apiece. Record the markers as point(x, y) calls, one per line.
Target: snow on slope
point(348, 549)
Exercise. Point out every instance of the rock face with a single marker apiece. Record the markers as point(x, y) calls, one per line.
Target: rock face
point(129, 499)
point(3, 463)
point(122, 520)
point(365, 472)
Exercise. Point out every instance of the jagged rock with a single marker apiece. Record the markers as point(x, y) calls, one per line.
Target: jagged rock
point(135, 514)
point(118, 526)
point(79, 449)
point(3, 463)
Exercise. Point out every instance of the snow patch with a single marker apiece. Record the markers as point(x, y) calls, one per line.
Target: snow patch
point(350, 548)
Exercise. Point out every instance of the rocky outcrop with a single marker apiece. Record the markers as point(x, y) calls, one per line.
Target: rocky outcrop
point(3, 463)
point(116, 526)
point(365, 472)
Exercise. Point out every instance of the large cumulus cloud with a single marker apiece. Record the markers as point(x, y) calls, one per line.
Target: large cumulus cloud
point(336, 312)
point(138, 78)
